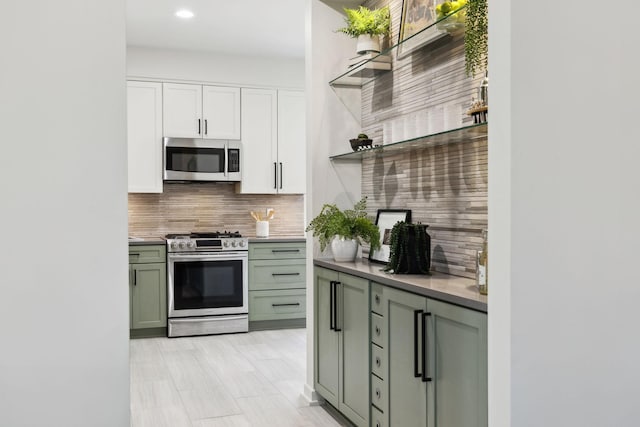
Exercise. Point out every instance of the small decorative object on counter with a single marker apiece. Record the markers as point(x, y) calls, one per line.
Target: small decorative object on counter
point(480, 108)
point(362, 142)
point(481, 267)
point(332, 224)
point(410, 247)
point(262, 222)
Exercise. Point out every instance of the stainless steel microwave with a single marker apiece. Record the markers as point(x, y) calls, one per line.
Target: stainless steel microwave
point(191, 159)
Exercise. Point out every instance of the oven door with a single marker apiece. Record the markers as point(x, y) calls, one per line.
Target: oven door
point(195, 160)
point(207, 284)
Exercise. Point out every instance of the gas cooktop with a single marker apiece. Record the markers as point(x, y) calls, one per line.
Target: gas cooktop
point(204, 235)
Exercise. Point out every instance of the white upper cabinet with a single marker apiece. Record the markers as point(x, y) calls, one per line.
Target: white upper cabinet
point(221, 112)
point(259, 141)
point(291, 142)
point(182, 109)
point(196, 111)
point(144, 136)
point(273, 142)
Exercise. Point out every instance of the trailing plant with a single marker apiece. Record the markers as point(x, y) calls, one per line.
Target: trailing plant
point(476, 37)
point(409, 249)
point(350, 224)
point(366, 21)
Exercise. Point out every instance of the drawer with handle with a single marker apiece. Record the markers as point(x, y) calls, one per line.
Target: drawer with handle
point(277, 305)
point(377, 331)
point(378, 365)
point(378, 393)
point(277, 250)
point(147, 254)
point(277, 274)
point(376, 299)
point(377, 417)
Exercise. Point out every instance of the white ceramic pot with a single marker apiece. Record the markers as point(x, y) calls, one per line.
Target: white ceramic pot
point(344, 250)
point(367, 43)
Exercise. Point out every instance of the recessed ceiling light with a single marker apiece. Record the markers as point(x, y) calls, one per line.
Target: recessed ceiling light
point(184, 14)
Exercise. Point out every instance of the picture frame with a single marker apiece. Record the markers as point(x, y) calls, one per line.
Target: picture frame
point(416, 16)
point(385, 220)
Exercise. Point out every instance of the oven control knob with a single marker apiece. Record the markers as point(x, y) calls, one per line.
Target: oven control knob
point(226, 244)
point(242, 243)
point(234, 243)
point(191, 245)
point(182, 245)
point(174, 245)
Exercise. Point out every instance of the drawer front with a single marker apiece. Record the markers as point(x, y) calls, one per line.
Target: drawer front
point(277, 251)
point(378, 394)
point(277, 274)
point(277, 305)
point(377, 330)
point(147, 254)
point(376, 299)
point(377, 418)
point(378, 361)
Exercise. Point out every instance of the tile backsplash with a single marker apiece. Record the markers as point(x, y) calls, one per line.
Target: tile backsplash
point(209, 207)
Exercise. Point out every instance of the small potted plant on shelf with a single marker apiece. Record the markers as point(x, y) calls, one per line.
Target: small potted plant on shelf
point(361, 142)
point(367, 26)
point(345, 230)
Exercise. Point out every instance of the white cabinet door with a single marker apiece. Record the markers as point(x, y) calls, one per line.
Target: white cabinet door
point(221, 112)
point(182, 110)
point(291, 142)
point(144, 136)
point(259, 141)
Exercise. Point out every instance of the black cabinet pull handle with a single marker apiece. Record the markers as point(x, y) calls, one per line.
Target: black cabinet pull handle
point(425, 378)
point(285, 304)
point(135, 277)
point(378, 362)
point(275, 251)
point(335, 308)
point(416, 370)
point(199, 127)
point(331, 296)
point(378, 393)
point(377, 298)
point(275, 175)
point(285, 274)
point(281, 175)
point(378, 424)
point(205, 126)
point(377, 330)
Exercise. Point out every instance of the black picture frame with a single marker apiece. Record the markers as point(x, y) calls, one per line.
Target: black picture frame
point(385, 220)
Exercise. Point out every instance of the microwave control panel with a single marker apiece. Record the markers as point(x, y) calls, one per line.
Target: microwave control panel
point(234, 160)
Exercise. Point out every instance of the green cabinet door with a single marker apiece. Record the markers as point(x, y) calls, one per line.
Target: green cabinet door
point(407, 395)
point(326, 339)
point(353, 320)
point(457, 339)
point(148, 294)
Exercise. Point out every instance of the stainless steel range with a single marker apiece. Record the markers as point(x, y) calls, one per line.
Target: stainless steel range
point(207, 283)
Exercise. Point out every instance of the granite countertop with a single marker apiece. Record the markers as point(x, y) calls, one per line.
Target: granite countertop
point(445, 287)
point(277, 239)
point(146, 240)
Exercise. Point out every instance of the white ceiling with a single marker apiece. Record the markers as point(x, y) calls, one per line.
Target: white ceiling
point(273, 28)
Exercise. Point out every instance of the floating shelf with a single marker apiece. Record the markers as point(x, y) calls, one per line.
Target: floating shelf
point(373, 68)
point(463, 134)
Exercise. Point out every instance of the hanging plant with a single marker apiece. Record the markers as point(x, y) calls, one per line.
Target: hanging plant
point(476, 37)
point(410, 249)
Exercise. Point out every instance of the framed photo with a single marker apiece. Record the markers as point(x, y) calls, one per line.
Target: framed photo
point(416, 16)
point(385, 220)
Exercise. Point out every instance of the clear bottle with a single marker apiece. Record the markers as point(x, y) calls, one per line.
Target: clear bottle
point(482, 277)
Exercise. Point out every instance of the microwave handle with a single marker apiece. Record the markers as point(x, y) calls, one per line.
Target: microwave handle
point(226, 159)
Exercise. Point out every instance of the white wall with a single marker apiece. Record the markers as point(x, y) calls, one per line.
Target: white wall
point(63, 187)
point(329, 127)
point(563, 304)
point(179, 65)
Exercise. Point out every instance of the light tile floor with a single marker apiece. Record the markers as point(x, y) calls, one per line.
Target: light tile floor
point(253, 379)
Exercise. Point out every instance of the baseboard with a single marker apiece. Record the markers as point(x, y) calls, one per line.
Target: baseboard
point(148, 333)
point(263, 325)
point(311, 397)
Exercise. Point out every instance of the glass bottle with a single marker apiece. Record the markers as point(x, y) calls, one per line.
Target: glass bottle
point(482, 272)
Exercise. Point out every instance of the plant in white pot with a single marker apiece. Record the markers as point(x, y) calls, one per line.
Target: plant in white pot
point(345, 230)
point(367, 26)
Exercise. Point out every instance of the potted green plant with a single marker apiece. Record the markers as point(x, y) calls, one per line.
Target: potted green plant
point(367, 25)
point(345, 230)
point(409, 249)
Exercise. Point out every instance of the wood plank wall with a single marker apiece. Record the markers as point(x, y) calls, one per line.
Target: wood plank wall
point(210, 207)
point(445, 186)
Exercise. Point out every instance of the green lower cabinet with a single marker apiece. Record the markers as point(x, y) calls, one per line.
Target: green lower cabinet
point(148, 296)
point(456, 363)
point(342, 342)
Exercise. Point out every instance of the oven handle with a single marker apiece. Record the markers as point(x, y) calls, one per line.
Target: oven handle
point(215, 256)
